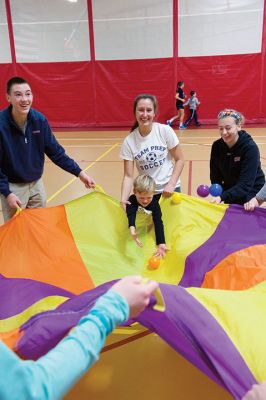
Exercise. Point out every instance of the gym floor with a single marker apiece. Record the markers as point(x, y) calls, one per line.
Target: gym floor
point(98, 153)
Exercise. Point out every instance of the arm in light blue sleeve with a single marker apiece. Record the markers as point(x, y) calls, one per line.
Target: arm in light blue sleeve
point(54, 374)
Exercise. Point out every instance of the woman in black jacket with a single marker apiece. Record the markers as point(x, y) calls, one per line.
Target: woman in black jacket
point(235, 161)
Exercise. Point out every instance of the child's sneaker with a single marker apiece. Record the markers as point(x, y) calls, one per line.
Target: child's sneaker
point(182, 126)
point(169, 122)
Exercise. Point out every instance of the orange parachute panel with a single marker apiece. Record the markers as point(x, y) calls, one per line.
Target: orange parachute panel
point(42, 241)
point(240, 270)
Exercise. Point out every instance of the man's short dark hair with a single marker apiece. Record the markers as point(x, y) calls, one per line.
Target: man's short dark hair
point(16, 80)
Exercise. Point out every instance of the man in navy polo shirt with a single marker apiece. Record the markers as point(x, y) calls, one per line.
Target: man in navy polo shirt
point(25, 138)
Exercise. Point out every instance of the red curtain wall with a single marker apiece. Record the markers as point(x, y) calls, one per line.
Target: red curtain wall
point(97, 94)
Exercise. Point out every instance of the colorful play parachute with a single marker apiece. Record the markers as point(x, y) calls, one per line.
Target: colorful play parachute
point(55, 262)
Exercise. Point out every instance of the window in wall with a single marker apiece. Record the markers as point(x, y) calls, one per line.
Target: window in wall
point(221, 27)
point(5, 54)
point(126, 29)
point(50, 30)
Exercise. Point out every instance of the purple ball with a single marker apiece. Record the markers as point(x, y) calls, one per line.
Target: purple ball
point(216, 190)
point(203, 190)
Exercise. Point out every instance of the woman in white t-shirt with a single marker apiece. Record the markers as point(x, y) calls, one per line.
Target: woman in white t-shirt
point(154, 148)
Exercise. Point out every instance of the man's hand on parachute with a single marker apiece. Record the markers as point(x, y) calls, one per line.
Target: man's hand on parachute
point(13, 201)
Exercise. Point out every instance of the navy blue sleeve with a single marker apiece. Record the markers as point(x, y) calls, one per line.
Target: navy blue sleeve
point(4, 186)
point(131, 210)
point(157, 220)
point(215, 175)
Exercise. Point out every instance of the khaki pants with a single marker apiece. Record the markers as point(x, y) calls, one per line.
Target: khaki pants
point(31, 195)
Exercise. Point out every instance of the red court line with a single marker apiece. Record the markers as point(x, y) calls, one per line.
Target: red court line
point(126, 341)
point(189, 177)
point(196, 144)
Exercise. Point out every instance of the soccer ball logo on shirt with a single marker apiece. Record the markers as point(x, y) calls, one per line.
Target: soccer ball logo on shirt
point(151, 157)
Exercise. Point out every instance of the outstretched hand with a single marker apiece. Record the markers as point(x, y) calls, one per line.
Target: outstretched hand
point(136, 293)
point(161, 250)
point(87, 180)
point(135, 236)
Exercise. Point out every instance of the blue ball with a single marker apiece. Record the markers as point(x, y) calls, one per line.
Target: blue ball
point(216, 190)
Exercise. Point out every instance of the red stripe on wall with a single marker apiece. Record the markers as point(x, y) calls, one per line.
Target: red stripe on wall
point(11, 35)
point(92, 52)
point(175, 28)
point(175, 50)
point(91, 30)
point(189, 177)
point(262, 107)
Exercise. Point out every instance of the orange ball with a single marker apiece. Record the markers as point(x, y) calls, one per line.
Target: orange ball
point(154, 262)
